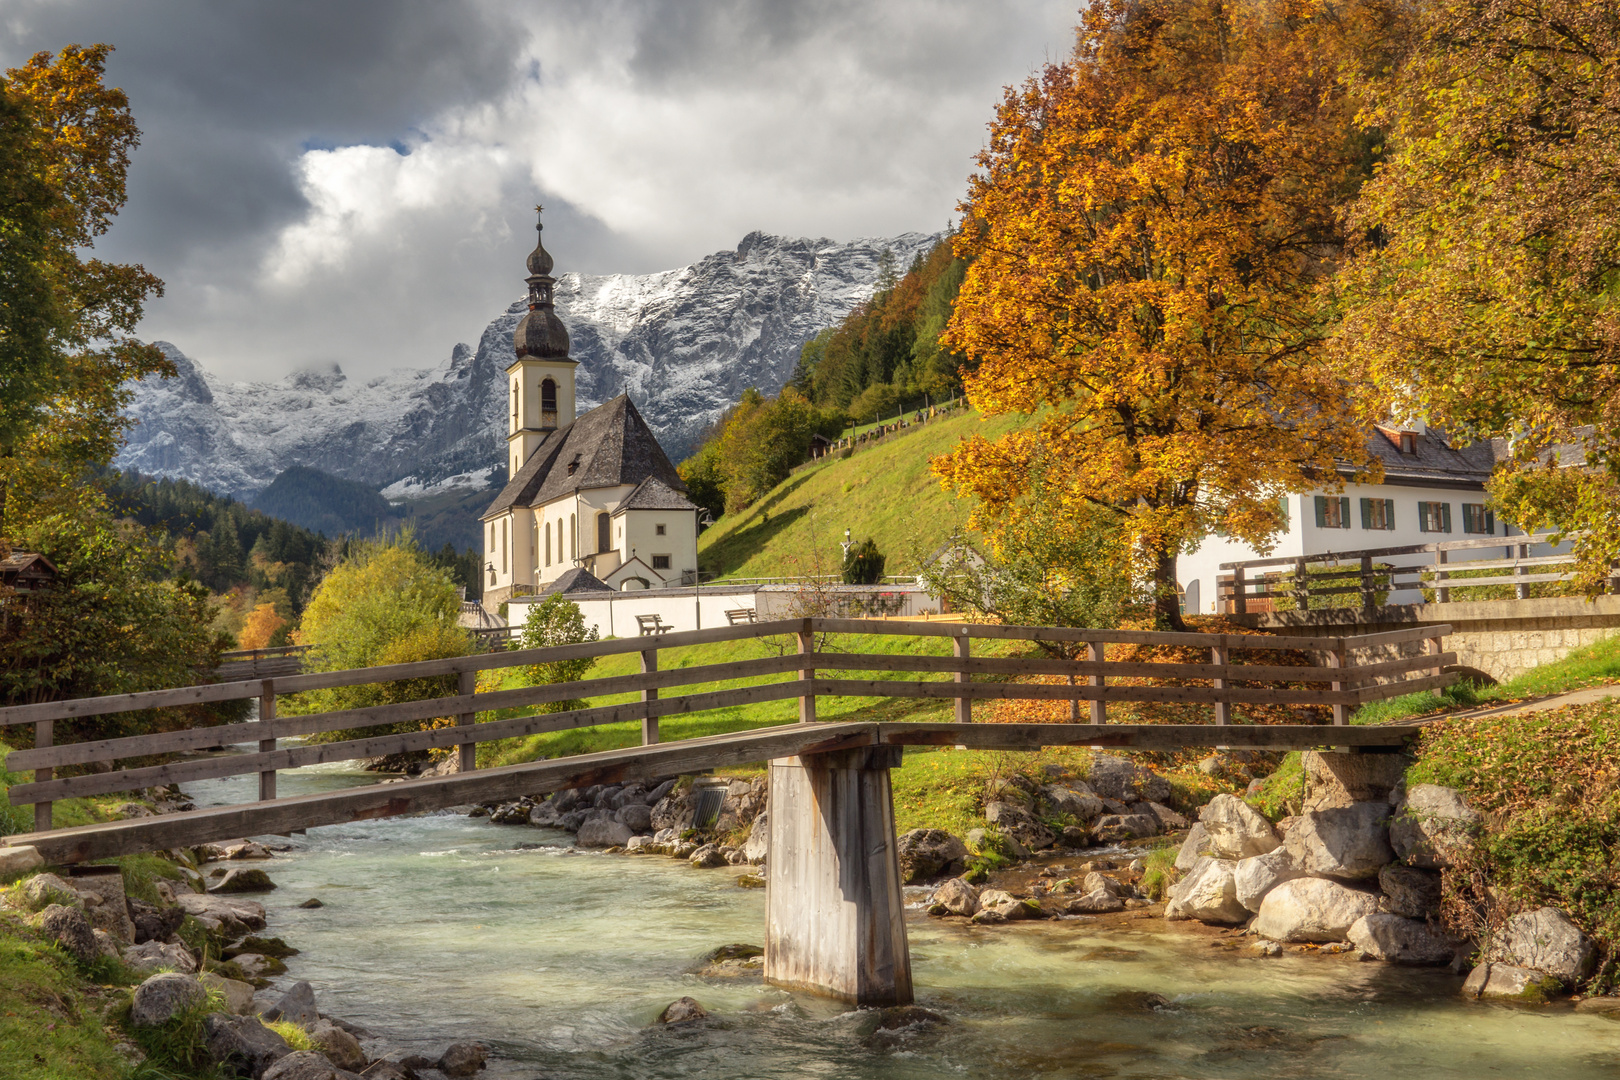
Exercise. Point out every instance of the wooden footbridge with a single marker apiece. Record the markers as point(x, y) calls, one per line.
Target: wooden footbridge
point(834, 905)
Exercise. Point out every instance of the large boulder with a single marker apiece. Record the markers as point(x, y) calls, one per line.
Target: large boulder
point(1168, 819)
point(1096, 902)
point(1257, 875)
point(1409, 891)
point(1118, 828)
point(302, 1065)
point(243, 879)
point(465, 1059)
point(955, 897)
point(1236, 830)
point(70, 929)
point(1312, 909)
point(603, 832)
point(1208, 894)
point(105, 905)
point(636, 816)
point(758, 845)
point(340, 1048)
point(1119, 778)
point(1338, 780)
point(42, 890)
point(1073, 800)
point(232, 915)
point(1431, 825)
point(153, 923)
point(1018, 824)
point(296, 1006)
point(1348, 842)
point(1399, 940)
point(1545, 939)
point(163, 997)
point(1512, 982)
point(159, 956)
point(241, 1045)
point(19, 859)
point(238, 995)
point(1195, 847)
point(925, 854)
point(682, 1011)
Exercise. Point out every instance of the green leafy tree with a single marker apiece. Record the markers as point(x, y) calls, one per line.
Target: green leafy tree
point(764, 440)
point(552, 622)
point(705, 480)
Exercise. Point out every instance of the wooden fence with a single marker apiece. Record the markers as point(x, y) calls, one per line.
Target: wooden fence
point(261, 663)
point(1257, 584)
point(1336, 681)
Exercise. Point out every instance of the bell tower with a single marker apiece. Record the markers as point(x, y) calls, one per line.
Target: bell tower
point(540, 382)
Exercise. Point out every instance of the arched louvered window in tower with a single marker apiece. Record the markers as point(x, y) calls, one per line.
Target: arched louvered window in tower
point(548, 404)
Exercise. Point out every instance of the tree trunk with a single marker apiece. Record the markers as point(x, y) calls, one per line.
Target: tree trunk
point(1166, 604)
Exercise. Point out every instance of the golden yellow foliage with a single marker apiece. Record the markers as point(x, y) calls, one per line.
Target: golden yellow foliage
point(261, 624)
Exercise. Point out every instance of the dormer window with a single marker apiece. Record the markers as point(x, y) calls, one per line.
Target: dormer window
point(1408, 442)
point(573, 466)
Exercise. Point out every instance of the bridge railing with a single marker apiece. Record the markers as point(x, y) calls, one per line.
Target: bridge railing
point(1366, 576)
point(1339, 677)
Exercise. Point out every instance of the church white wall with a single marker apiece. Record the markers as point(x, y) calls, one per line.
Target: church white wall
point(679, 542)
point(1305, 537)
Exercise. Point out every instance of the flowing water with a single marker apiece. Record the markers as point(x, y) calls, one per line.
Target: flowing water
point(444, 927)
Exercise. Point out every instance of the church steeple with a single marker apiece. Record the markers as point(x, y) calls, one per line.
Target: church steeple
point(542, 376)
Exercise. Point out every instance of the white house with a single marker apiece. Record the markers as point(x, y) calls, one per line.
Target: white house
point(1431, 492)
point(593, 493)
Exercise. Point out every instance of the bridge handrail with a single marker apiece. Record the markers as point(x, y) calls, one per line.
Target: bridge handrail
point(1339, 683)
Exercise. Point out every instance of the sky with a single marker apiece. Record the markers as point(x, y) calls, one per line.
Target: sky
point(353, 182)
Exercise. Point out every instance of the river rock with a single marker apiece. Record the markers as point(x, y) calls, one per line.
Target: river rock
point(564, 801)
point(152, 923)
point(1073, 800)
point(106, 944)
point(1257, 875)
point(1333, 781)
point(388, 1070)
point(1400, 940)
point(682, 1011)
point(1096, 902)
point(1195, 847)
point(1168, 819)
point(925, 854)
point(302, 1065)
point(243, 879)
point(659, 793)
point(1432, 824)
point(163, 997)
point(105, 904)
point(1510, 981)
point(42, 890)
point(1409, 891)
point(154, 955)
point(1017, 824)
point(462, 1059)
point(1096, 880)
point(512, 813)
point(956, 897)
point(18, 860)
point(707, 857)
point(1118, 778)
point(636, 816)
point(640, 845)
point(1348, 842)
point(238, 995)
point(1312, 909)
point(603, 832)
point(629, 795)
point(603, 799)
point(340, 1048)
point(241, 1045)
point(1545, 939)
point(1208, 893)
point(72, 931)
point(258, 968)
point(296, 1006)
point(1117, 828)
point(235, 916)
point(758, 845)
point(1236, 830)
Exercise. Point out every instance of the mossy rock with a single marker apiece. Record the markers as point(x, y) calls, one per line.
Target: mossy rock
point(1543, 990)
point(273, 947)
point(733, 952)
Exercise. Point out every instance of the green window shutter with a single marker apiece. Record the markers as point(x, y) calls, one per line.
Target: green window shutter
point(1366, 514)
point(1389, 513)
point(1321, 511)
point(1423, 517)
point(1490, 522)
point(1445, 517)
point(1344, 511)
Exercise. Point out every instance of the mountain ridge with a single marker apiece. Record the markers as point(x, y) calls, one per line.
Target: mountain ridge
point(684, 343)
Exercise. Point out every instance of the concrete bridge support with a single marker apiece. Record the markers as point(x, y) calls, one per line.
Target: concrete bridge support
point(835, 916)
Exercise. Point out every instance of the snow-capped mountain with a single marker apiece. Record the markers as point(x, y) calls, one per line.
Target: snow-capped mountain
point(683, 343)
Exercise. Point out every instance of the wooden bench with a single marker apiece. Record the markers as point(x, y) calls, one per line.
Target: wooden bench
point(652, 625)
point(741, 615)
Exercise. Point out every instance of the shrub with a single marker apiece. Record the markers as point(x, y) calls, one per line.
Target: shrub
point(557, 621)
point(863, 564)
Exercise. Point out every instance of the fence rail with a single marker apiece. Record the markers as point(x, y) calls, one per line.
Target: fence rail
point(1257, 584)
point(1336, 681)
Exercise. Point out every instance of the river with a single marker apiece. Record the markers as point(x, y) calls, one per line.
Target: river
point(443, 927)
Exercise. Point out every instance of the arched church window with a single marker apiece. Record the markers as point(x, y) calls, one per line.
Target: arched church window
point(573, 538)
point(604, 531)
point(548, 403)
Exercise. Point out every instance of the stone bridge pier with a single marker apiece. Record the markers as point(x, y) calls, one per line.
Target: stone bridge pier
point(835, 913)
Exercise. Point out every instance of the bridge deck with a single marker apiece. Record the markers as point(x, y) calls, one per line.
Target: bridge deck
point(88, 842)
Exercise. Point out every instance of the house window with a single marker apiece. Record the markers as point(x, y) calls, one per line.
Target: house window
point(659, 529)
point(1377, 513)
point(1478, 519)
point(1332, 512)
point(604, 531)
point(660, 562)
point(1434, 517)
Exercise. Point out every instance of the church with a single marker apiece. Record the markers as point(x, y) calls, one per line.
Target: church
point(591, 502)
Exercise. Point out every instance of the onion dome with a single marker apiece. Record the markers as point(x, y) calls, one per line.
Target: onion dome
point(540, 335)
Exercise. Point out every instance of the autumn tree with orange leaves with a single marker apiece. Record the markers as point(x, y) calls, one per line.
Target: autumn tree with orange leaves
point(1146, 239)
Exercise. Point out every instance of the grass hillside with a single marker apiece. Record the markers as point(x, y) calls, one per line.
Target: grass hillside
point(885, 492)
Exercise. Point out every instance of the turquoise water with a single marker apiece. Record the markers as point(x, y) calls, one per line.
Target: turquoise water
point(444, 927)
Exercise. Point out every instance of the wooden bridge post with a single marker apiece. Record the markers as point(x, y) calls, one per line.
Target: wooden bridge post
point(649, 722)
point(1521, 592)
point(1240, 589)
point(1336, 659)
point(1442, 594)
point(1219, 655)
point(44, 736)
point(834, 908)
point(1099, 708)
point(267, 712)
point(962, 647)
point(1369, 601)
point(807, 699)
point(467, 685)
